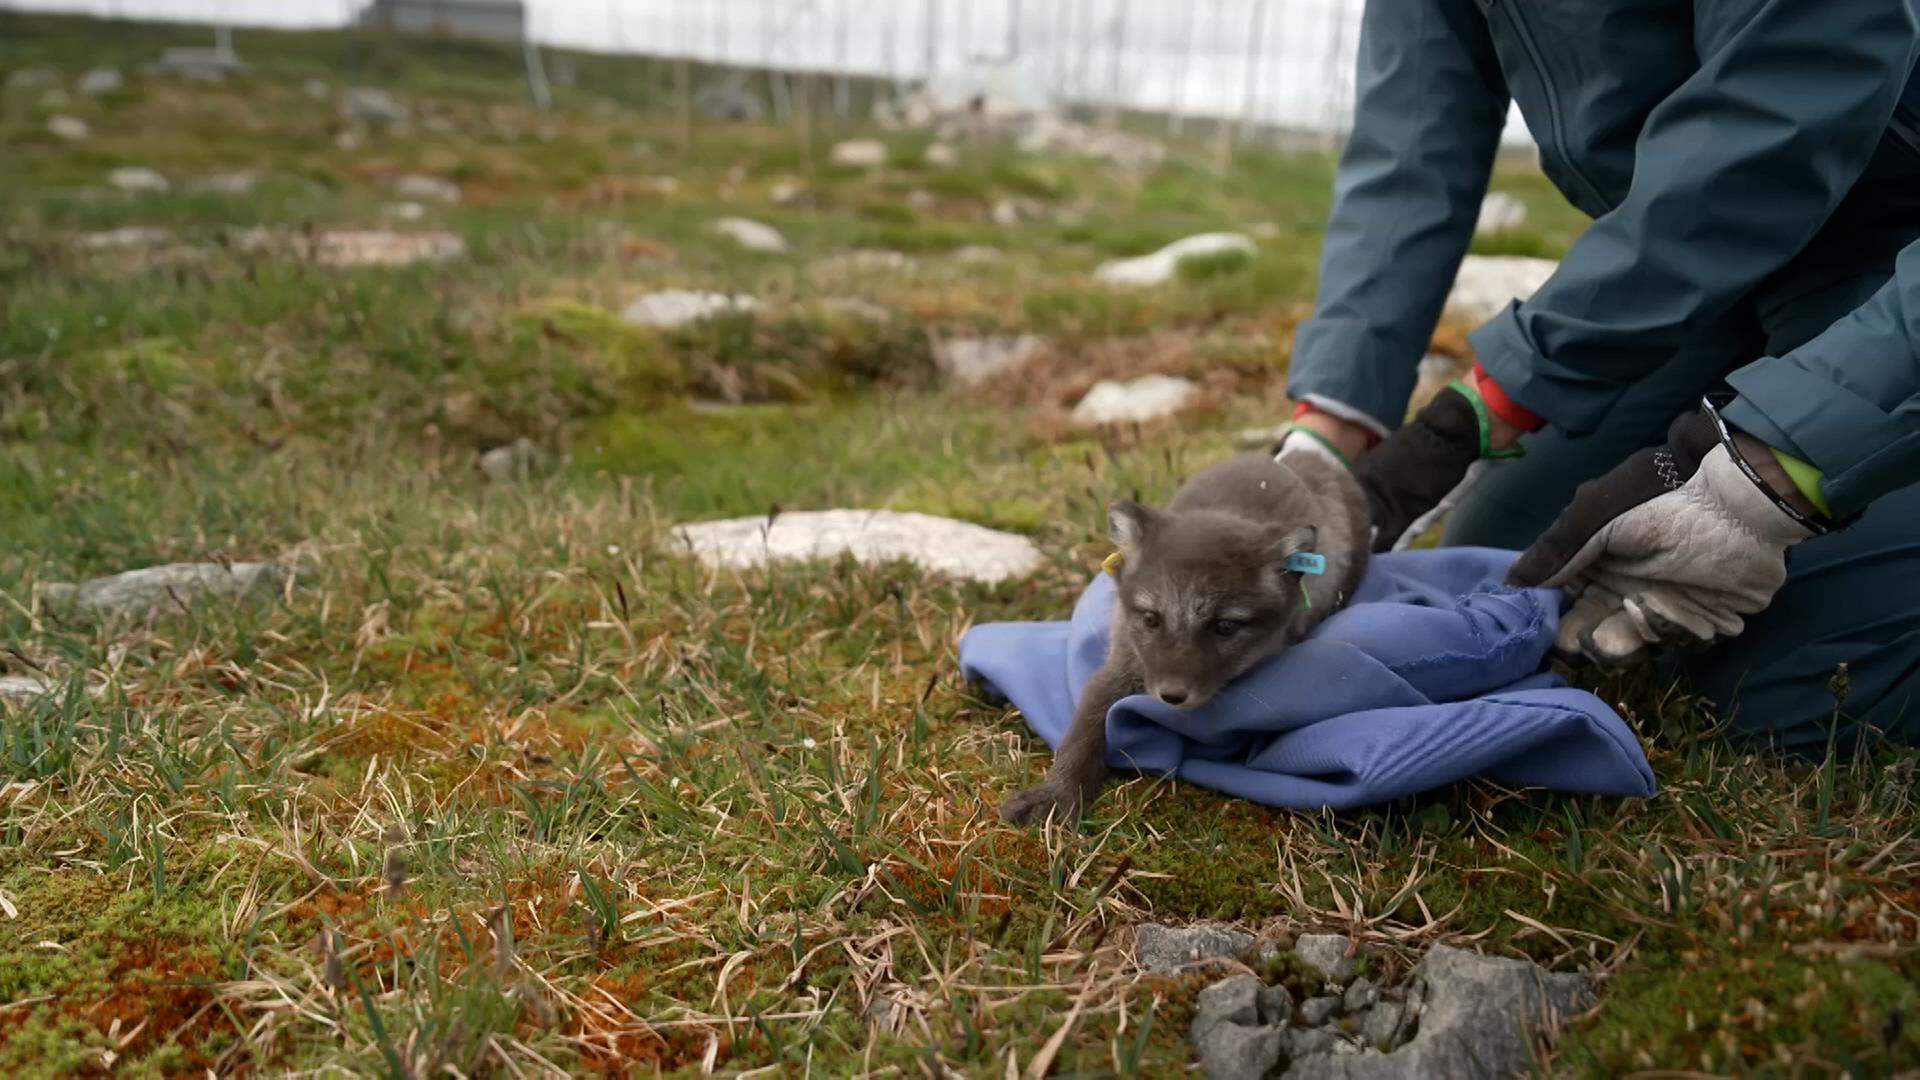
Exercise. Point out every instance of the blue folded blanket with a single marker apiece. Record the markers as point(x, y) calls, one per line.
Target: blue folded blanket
point(1430, 675)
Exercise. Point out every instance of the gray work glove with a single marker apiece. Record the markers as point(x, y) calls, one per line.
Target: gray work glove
point(1675, 546)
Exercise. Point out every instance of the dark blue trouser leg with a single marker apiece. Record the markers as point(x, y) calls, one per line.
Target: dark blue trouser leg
point(1851, 597)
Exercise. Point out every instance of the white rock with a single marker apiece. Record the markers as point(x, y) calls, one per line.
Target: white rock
point(920, 199)
point(1160, 267)
point(661, 185)
point(1014, 211)
point(127, 237)
point(968, 361)
point(679, 307)
point(405, 211)
point(1264, 230)
point(139, 593)
point(1499, 212)
point(515, 461)
point(786, 193)
point(1330, 954)
point(70, 128)
point(873, 537)
point(421, 188)
point(101, 80)
point(138, 180)
point(375, 106)
point(1487, 283)
point(1146, 398)
point(21, 689)
point(752, 235)
point(940, 155)
point(859, 154)
point(383, 247)
point(869, 261)
point(237, 182)
point(976, 254)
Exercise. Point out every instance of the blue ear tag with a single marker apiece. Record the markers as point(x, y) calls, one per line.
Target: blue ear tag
point(1306, 562)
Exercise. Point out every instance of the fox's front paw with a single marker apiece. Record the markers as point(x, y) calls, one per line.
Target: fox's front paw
point(1047, 799)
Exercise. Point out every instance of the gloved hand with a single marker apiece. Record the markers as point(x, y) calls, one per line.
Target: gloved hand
point(1675, 546)
point(1420, 471)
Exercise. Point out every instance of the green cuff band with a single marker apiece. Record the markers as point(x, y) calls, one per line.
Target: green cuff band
point(1806, 478)
point(1485, 419)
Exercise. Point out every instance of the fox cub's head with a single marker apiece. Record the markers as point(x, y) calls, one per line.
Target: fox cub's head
point(1203, 596)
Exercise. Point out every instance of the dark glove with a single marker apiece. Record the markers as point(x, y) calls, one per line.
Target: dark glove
point(1420, 471)
point(1675, 546)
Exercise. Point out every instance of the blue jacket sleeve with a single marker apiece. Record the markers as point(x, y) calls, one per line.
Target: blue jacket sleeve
point(1430, 104)
point(1734, 173)
point(1849, 400)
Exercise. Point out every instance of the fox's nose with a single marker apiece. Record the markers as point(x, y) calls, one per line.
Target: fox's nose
point(1173, 695)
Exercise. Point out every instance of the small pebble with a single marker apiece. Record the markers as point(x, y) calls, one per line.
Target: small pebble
point(1318, 1010)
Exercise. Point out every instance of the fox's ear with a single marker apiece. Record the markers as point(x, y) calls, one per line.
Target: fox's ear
point(1306, 538)
point(1128, 523)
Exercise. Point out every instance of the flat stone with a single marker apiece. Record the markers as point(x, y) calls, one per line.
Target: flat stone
point(1275, 1004)
point(1361, 995)
point(970, 361)
point(100, 80)
point(365, 103)
point(69, 128)
point(22, 689)
point(1318, 1010)
point(752, 235)
point(421, 188)
point(383, 247)
point(941, 156)
point(138, 180)
point(1238, 1052)
point(672, 308)
point(1330, 954)
point(1168, 948)
point(1306, 1042)
point(1487, 283)
point(139, 593)
point(1161, 266)
point(126, 238)
point(959, 548)
point(1479, 1020)
point(1380, 1026)
point(859, 154)
point(515, 461)
point(1146, 398)
point(237, 182)
point(1499, 212)
point(1230, 1001)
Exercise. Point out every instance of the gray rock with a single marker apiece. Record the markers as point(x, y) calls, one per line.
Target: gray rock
point(1014, 211)
point(970, 361)
point(101, 80)
point(237, 182)
point(941, 156)
point(403, 211)
point(69, 128)
point(22, 689)
point(1479, 1019)
point(873, 537)
point(141, 593)
point(977, 254)
point(421, 188)
point(859, 154)
point(368, 105)
point(1330, 954)
point(1318, 1010)
point(1362, 994)
point(1230, 1001)
point(32, 78)
point(515, 461)
point(1306, 1042)
point(1146, 398)
point(730, 102)
point(138, 180)
point(1486, 283)
point(384, 247)
point(786, 193)
point(672, 308)
point(1276, 1005)
point(1168, 948)
point(127, 238)
point(866, 261)
point(1500, 212)
point(1380, 1026)
point(1239, 1052)
point(752, 235)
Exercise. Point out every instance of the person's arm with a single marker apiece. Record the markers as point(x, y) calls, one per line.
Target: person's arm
point(1735, 172)
point(1845, 405)
point(1430, 104)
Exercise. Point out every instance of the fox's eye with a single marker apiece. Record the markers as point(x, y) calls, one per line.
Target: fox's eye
point(1226, 627)
point(1150, 620)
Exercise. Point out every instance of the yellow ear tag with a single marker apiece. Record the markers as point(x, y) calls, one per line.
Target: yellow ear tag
point(1111, 564)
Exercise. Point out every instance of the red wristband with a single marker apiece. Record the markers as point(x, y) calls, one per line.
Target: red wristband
point(1302, 408)
point(1502, 406)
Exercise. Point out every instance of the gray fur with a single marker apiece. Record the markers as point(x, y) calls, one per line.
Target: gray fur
point(1216, 554)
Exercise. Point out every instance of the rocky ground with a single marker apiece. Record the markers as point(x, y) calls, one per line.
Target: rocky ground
point(478, 587)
